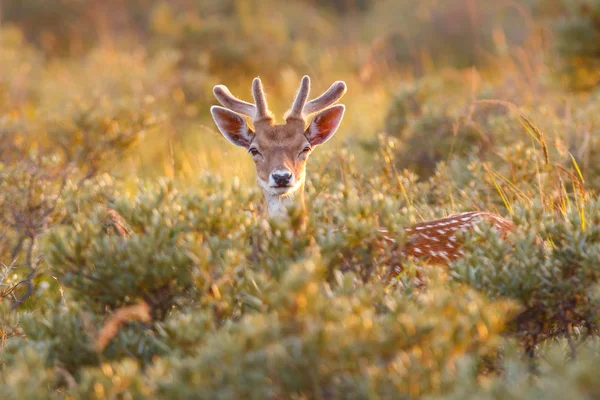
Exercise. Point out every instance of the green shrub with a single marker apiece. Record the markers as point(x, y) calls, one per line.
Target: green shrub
point(555, 379)
point(556, 285)
point(168, 246)
point(577, 45)
point(442, 116)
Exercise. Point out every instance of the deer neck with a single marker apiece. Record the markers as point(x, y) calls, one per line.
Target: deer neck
point(277, 205)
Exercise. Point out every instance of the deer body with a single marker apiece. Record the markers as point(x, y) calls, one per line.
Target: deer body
point(438, 241)
point(280, 153)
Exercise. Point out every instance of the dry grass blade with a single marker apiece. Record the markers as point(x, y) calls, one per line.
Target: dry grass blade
point(576, 166)
point(537, 134)
point(137, 312)
point(9, 288)
point(499, 189)
point(117, 221)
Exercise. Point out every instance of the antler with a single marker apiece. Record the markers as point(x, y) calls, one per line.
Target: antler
point(231, 102)
point(297, 110)
point(333, 94)
point(262, 111)
point(300, 108)
point(257, 111)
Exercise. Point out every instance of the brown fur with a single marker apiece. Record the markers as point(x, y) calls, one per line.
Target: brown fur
point(280, 146)
point(437, 241)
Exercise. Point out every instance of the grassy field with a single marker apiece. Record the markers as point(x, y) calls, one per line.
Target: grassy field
point(135, 262)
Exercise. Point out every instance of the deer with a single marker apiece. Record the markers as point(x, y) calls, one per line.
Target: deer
point(281, 151)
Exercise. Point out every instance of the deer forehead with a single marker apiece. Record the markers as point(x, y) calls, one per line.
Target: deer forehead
point(280, 138)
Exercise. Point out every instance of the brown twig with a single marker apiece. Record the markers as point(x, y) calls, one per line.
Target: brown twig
point(32, 264)
point(137, 312)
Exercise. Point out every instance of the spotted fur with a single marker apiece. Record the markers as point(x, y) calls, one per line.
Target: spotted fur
point(437, 241)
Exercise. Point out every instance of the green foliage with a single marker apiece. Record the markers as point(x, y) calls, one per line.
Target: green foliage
point(284, 353)
point(577, 45)
point(555, 380)
point(187, 235)
point(438, 118)
point(555, 285)
point(435, 119)
point(17, 380)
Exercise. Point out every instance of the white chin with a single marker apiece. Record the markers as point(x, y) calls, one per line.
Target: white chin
point(280, 191)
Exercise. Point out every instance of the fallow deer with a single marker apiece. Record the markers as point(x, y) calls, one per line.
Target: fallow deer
point(280, 153)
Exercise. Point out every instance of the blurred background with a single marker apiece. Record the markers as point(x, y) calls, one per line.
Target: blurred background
point(78, 74)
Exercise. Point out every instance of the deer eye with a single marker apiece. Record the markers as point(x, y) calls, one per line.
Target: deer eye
point(304, 151)
point(254, 152)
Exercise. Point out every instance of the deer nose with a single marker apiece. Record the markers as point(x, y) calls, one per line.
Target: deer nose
point(281, 178)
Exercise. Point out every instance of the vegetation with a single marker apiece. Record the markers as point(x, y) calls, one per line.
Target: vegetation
point(134, 261)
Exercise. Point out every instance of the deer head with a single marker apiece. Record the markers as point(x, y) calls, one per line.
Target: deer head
point(279, 151)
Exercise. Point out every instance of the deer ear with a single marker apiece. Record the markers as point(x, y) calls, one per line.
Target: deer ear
point(324, 125)
point(232, 126)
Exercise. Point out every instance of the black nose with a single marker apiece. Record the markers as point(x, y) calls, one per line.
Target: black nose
point(282, 178)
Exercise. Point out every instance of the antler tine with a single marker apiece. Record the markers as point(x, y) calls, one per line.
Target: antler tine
point(262, 110)
point(333, 94)
point(296, 112)
point(231, 102)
